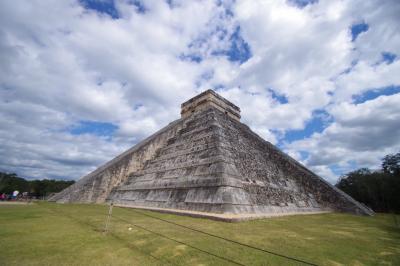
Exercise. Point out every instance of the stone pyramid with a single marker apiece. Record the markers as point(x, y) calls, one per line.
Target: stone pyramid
point(208, 163)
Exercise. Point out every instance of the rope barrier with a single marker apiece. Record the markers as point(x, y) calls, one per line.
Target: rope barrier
point(58, 212)
point(195, 230)
point(180, 242)
point(229, 240)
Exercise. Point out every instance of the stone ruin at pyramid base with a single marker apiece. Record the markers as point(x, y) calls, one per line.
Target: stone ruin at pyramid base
point(209, 164)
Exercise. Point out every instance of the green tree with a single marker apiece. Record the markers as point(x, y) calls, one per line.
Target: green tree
point(11, 182)
point(391, 164)
point(377, 189)
point(37, 188)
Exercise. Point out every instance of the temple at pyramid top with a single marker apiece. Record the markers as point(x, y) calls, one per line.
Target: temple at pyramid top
point(206, 99)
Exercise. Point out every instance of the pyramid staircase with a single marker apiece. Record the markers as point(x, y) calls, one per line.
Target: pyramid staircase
point(210, 164)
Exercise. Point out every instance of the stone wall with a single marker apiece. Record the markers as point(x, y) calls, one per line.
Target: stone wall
point(216, 164)
point(209, 99)
point(273, 178)
point(208, 161)
point(186, 174)
point(96, 186)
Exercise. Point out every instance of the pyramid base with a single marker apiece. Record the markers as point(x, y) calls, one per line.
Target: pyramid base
point(232, 217)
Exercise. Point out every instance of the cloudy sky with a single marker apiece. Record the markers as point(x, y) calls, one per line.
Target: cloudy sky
point(82, 81)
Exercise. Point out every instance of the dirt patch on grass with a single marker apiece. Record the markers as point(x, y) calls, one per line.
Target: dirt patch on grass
point(16, 203)
point(343, 233)
point(385, 253)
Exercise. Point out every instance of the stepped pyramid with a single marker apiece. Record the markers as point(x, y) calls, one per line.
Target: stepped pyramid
point(208, 163)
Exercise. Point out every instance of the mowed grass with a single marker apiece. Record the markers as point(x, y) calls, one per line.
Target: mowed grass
point(72, 234)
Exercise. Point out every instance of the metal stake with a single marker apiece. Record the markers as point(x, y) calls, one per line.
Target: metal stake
point(108, 217)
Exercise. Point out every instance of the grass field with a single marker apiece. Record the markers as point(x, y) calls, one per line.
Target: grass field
point(55, 234)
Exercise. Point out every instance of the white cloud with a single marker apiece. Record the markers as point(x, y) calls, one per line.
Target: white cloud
point(297, 42)
point(61, 63)
point(383, 34)
point(362, 134)
point(326, 172)
point(34, 144)
point(82, 65)
point(364, 77)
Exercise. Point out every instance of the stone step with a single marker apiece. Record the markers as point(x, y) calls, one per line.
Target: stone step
point(190, 159)
point(193, 145)
point(205, 161)
point(218, 169)
point(182, 182)
point(185, 152)
point(197, 140)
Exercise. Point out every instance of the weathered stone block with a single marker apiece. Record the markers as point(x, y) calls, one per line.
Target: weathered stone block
point(209, 161)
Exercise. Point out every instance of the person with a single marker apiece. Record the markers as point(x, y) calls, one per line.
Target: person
point(15, 194)
point(3, 196)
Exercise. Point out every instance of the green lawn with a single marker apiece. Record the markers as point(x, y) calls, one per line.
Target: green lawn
point(55, 234)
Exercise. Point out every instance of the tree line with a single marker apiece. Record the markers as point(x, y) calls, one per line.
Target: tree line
point(379, 189)
point(10, 182)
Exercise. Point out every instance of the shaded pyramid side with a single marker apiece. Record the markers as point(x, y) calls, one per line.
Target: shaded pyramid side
point(217, 164)
point(276, 182)
point(96, 186)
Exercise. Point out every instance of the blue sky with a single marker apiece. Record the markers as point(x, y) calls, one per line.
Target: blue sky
point(105, 7)
point(95, 128)
point(83, 80)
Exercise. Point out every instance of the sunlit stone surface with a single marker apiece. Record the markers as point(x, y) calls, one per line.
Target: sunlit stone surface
point(209, 162)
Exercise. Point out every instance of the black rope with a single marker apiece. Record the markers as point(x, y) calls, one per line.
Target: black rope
point(145, 229)
point(180, 242)
point(88, 224)
point(203, 232)
point(228, 240)
point(134, 247)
